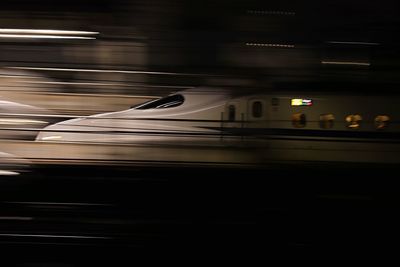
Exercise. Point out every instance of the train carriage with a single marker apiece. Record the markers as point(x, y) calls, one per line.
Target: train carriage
point(277, 125)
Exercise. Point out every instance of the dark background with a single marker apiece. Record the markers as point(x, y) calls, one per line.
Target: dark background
point(210, 39)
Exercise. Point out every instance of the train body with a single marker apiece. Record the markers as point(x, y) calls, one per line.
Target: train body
point(292, 122)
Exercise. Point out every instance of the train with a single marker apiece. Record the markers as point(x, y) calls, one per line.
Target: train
point(288, 125)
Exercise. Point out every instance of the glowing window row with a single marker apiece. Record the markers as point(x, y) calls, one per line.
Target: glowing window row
point(353, 121)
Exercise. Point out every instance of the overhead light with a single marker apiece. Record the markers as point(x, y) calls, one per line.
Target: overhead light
point(271, 45)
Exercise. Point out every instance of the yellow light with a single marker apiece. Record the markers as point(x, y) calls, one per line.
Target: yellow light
point(301, 102)
point(297, 102)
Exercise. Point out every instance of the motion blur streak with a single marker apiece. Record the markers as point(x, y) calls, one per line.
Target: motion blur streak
point(104, 71)
point(20, 121)
point(58, 203)
point(2, 172)
point(56, 236)
point(16, 218)
point(44, 36)
point(37, 31)
point(346, 63)
point(352, 43)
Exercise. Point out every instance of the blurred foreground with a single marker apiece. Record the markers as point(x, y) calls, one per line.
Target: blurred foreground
point(60, 214)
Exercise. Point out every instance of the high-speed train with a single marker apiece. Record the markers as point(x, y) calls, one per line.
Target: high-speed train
point(291, 122)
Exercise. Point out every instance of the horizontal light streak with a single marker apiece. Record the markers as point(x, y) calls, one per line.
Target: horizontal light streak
point(48, 32)
point(78, 83)
point(16, 218)
point(106, 71)
point(20, 121)
point(112, 84)
point(57, 203)
point(345, 63)
point(19, 76)
point(55, 236)
point(352, 43)
point(33, 36)
point(8, 173)
point(270, 45)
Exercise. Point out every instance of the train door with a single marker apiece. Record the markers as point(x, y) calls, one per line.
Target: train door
point(257, 114)
point(232, 121)
point(233, 115)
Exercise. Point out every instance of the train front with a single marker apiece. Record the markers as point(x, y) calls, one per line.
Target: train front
point(181, 116)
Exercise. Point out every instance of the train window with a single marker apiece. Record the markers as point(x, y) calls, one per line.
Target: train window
point(326, 121)
point(165, 102)
point(231, 113)
point(299, 120)
point(354, 121)
point(381, 121)
point(257, 109)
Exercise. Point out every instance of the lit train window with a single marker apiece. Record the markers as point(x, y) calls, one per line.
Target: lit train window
point(257, 109)
point(326, 121)
point(353, 121)
point(301, 102)
point(381, 121)
point(165, 102)
point(299, 120)
point(231, 113)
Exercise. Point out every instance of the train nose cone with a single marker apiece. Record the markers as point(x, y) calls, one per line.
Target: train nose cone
point(58, 131)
